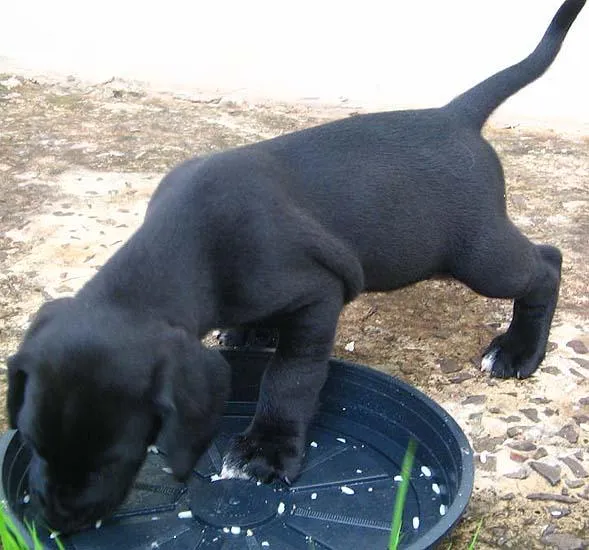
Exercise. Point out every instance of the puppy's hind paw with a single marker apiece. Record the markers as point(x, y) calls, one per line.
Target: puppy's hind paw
point(488, 360)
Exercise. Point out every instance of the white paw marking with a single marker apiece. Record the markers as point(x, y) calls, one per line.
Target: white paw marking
point(229, 471)
point(489, 360)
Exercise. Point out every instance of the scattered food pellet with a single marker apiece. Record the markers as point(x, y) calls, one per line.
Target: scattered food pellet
point(154, 545)
point(235, 530)
point(350, 346)
point(442, 509)
point(556, 513)
point(370, 489)
point(26, 499)
point(415, 522)
point(358, 471)
point(436, 488)
point(265, 543)
point(249, 533)
point(426, 471)
point(167, 470)
point(483, 457)
point(98, 524)
point(341, 439)
point(215, 477)
point(54, 535)
point(398, 478)
point(258, 483)
point(281, 508)
point(187, 514)
point(153, 449)
point(313, 496)
point(343, 408)
point(314, 444)
point(347, 490)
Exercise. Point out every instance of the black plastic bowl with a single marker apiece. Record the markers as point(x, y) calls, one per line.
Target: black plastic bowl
point(342, 500)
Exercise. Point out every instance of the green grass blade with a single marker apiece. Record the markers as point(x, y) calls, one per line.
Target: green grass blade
point(473, 542)
point(401, 496)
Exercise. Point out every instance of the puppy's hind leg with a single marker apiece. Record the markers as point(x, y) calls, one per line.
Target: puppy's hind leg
point(273, 445)
point(510, 266)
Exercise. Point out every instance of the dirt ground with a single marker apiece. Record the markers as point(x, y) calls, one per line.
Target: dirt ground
point(78, 163)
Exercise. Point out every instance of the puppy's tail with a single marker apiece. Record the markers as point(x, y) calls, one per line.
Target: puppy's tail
point(480, 101)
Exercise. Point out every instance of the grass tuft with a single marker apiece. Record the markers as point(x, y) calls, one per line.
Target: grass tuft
point(12, 539)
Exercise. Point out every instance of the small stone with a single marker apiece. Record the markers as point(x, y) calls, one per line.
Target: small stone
point(551, 347)
point(474, 400)
point(507, 496)
point(574, 483)
point(488, 444)
point(551, 412)
point(569, 432)
point(551, 473)
point(512, 431)
point(576, 373)
point(517, 457)
point(512, 418)
point(564, 541)
point(540, 453)
point(575, 467)
point(523, 445)
point(494, 410)
point(552, 370)
point(449, 366)
point(559, 511)
point(461, 377)
point(551, 497)
point(540, 400)
point(581, 362)
point(581, 419)
point(578, 347)
point(531, 414)
point(521, 473)
point(584, 401)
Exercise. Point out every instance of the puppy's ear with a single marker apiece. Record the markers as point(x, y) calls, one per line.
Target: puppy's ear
point(17, 380)
point(192, 386)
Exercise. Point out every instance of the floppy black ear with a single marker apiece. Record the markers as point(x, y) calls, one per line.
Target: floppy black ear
point(17, 380)
point(192, 386)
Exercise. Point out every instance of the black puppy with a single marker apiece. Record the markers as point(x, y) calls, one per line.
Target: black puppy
point(281, 233)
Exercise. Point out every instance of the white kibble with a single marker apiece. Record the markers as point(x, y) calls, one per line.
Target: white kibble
point(341, 439)
point(154, 518)
point(358, 471)
point(350, 346)
point(153, 450)
point(265, 543)
point(343, 409)
point(442, 509)
point(314, 444)
point(258, 483)
point(415, 522)
point(154, 545)
point(347, 490)
point(167, 470)
point(426, 471)
point(225, 529)
point(556, 513)
point(235, 530)
point(281, 508)
point(398, 478)
point(436, 488)
point(313, 496)
point(26, 499)
point(187, 514)
point(98, 524)
point(483, 457)
point(215, 477)
point(54, 535)
point(370, 489)
point(249, 533)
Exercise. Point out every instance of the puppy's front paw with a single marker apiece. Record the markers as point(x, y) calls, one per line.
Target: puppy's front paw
point(504, 358)
point(257, 457)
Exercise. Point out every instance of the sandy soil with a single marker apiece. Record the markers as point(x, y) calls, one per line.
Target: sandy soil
point(78, 164)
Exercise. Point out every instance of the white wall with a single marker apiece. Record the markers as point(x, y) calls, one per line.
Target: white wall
point(380, 52)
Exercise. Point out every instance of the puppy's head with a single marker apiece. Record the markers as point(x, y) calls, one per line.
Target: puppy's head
point(90, 388)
